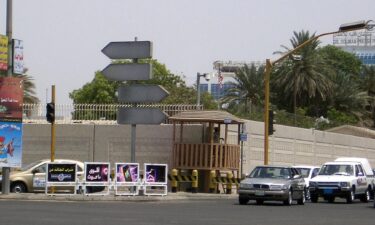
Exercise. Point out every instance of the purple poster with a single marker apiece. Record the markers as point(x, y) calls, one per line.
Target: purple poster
point(97, 172)
point(127, 172)
point(156, 173)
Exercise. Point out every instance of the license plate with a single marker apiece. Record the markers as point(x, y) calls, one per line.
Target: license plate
point(259, 193)
point(327, 191)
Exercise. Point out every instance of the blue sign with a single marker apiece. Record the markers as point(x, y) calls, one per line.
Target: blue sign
point(10, 144)
point(243, 137)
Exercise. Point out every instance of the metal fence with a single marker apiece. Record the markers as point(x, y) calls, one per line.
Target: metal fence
point(92, 113)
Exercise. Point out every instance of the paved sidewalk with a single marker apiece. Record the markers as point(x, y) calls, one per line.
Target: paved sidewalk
point(112, 197)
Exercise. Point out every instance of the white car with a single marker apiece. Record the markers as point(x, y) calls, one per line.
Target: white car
point(307, 172)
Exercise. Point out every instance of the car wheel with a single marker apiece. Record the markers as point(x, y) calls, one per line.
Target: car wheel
point(314, 198)
point(18, 187)
point(366, 196)
point(331, 199)
point(307, 195)
point(302, 200)
point(351, 196)
point(259, 202)
point(243, 200)
point(290, 199)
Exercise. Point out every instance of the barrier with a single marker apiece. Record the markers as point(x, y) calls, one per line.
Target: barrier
point(96, 175)
point(127, 181)
point(228, 181)
point(175, 179)
point(61, 175)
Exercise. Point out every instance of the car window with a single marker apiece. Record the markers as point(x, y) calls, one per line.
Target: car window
point(40, 169)
point(346, 170)
point(359, 170)
point(304, 172)
point(271, 172)
point(31, 165)
point(315, 172)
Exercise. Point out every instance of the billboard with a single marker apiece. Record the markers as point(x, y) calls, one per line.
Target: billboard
point(156, 173)
point(10, 144)
point(18, 56)
point(97, 172)
point(3, 52)
point(11, 98)
point(354, 38)
point(61, 172)
point(127, 172)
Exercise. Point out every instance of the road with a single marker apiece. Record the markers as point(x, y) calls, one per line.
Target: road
point(187, 212)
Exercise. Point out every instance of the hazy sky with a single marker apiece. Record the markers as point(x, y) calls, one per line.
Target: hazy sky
point(63, 38)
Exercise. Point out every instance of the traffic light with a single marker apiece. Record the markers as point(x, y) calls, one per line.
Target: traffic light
point(50, 112)
point(270, 122)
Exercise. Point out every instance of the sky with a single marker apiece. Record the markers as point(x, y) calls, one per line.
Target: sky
point(63, 39)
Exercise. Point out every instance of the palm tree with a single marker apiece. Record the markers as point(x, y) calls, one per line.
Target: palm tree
point(302, 80)
point(367, 83)
point(29, 95)
point(247, 87)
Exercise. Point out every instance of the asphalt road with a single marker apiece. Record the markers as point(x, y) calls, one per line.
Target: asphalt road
point(187, 212)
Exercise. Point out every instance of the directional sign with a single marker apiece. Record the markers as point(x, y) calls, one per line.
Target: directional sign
point(131, 71)
point(128, 50)
point(138, 93)
point(140, 116)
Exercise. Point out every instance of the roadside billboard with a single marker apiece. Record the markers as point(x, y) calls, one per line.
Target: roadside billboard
point(3, 52)
point(18, 56)
point(11, 99)
point(61, 172)
point(10, 144)
point(127, 172)
point(96, 172)
point(156, 174)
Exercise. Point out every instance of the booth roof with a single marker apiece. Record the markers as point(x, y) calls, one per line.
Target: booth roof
point(207, 116)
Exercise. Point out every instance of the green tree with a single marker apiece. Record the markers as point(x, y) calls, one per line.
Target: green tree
point(248, 87)
point(367, 83)
point(300, 82)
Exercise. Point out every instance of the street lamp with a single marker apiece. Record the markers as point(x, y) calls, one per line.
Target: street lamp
point(207, 77)
point(368, 25)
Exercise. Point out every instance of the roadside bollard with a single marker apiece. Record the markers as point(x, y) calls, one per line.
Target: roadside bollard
point(229, 184)
point(194, 183)
point(212, 185)
point(174, 182)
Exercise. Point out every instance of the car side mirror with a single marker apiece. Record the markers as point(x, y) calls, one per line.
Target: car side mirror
point(34, 171)
point(297, 176)
point(360, 174)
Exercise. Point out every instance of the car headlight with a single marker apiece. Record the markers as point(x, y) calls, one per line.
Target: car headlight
point(278, 187)
point(344, 184)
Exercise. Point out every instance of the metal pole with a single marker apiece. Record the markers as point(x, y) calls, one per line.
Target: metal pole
point(198, 90)
point(266, 107)
point(53, 129)
point(133, 138)
point(6, 170)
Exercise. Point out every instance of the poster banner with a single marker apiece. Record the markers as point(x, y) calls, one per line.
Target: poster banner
point(61, 172)
point(11, 99)
point(127, 172)
point(3, 52)
point(10, 144)
point(156, 173)
point(97, 172)
point(18, 56)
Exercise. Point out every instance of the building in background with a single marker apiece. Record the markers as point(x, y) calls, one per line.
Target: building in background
point(360, 43)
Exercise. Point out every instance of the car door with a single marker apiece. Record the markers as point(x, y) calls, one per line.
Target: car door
point(39, 177)
point(361, 179)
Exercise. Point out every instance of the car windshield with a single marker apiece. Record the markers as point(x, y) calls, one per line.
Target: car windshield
point(271, 172)
point(28, 166)
point(304, 172)
point(346, 170)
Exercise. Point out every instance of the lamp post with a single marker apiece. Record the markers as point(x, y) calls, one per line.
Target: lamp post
point(199, 75)
point(269, 64)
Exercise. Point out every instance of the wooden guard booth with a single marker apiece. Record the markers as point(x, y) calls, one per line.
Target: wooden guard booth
point(213, 153)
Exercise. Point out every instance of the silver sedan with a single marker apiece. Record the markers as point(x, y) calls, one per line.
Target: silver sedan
point(273, 183)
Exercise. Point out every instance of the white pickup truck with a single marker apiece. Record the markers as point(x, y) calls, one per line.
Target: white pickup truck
point(348, 178)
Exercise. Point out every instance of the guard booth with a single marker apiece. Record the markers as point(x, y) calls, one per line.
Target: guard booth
point(214, 152)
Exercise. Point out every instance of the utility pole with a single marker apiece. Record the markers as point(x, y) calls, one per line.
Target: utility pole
point(6, 170)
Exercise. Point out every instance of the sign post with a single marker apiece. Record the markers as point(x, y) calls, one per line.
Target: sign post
point(136, 93)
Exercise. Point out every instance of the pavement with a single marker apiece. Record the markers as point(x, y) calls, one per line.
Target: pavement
point(179, 196)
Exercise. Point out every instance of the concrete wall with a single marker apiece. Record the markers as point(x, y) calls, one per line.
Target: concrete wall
point(288, 145)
